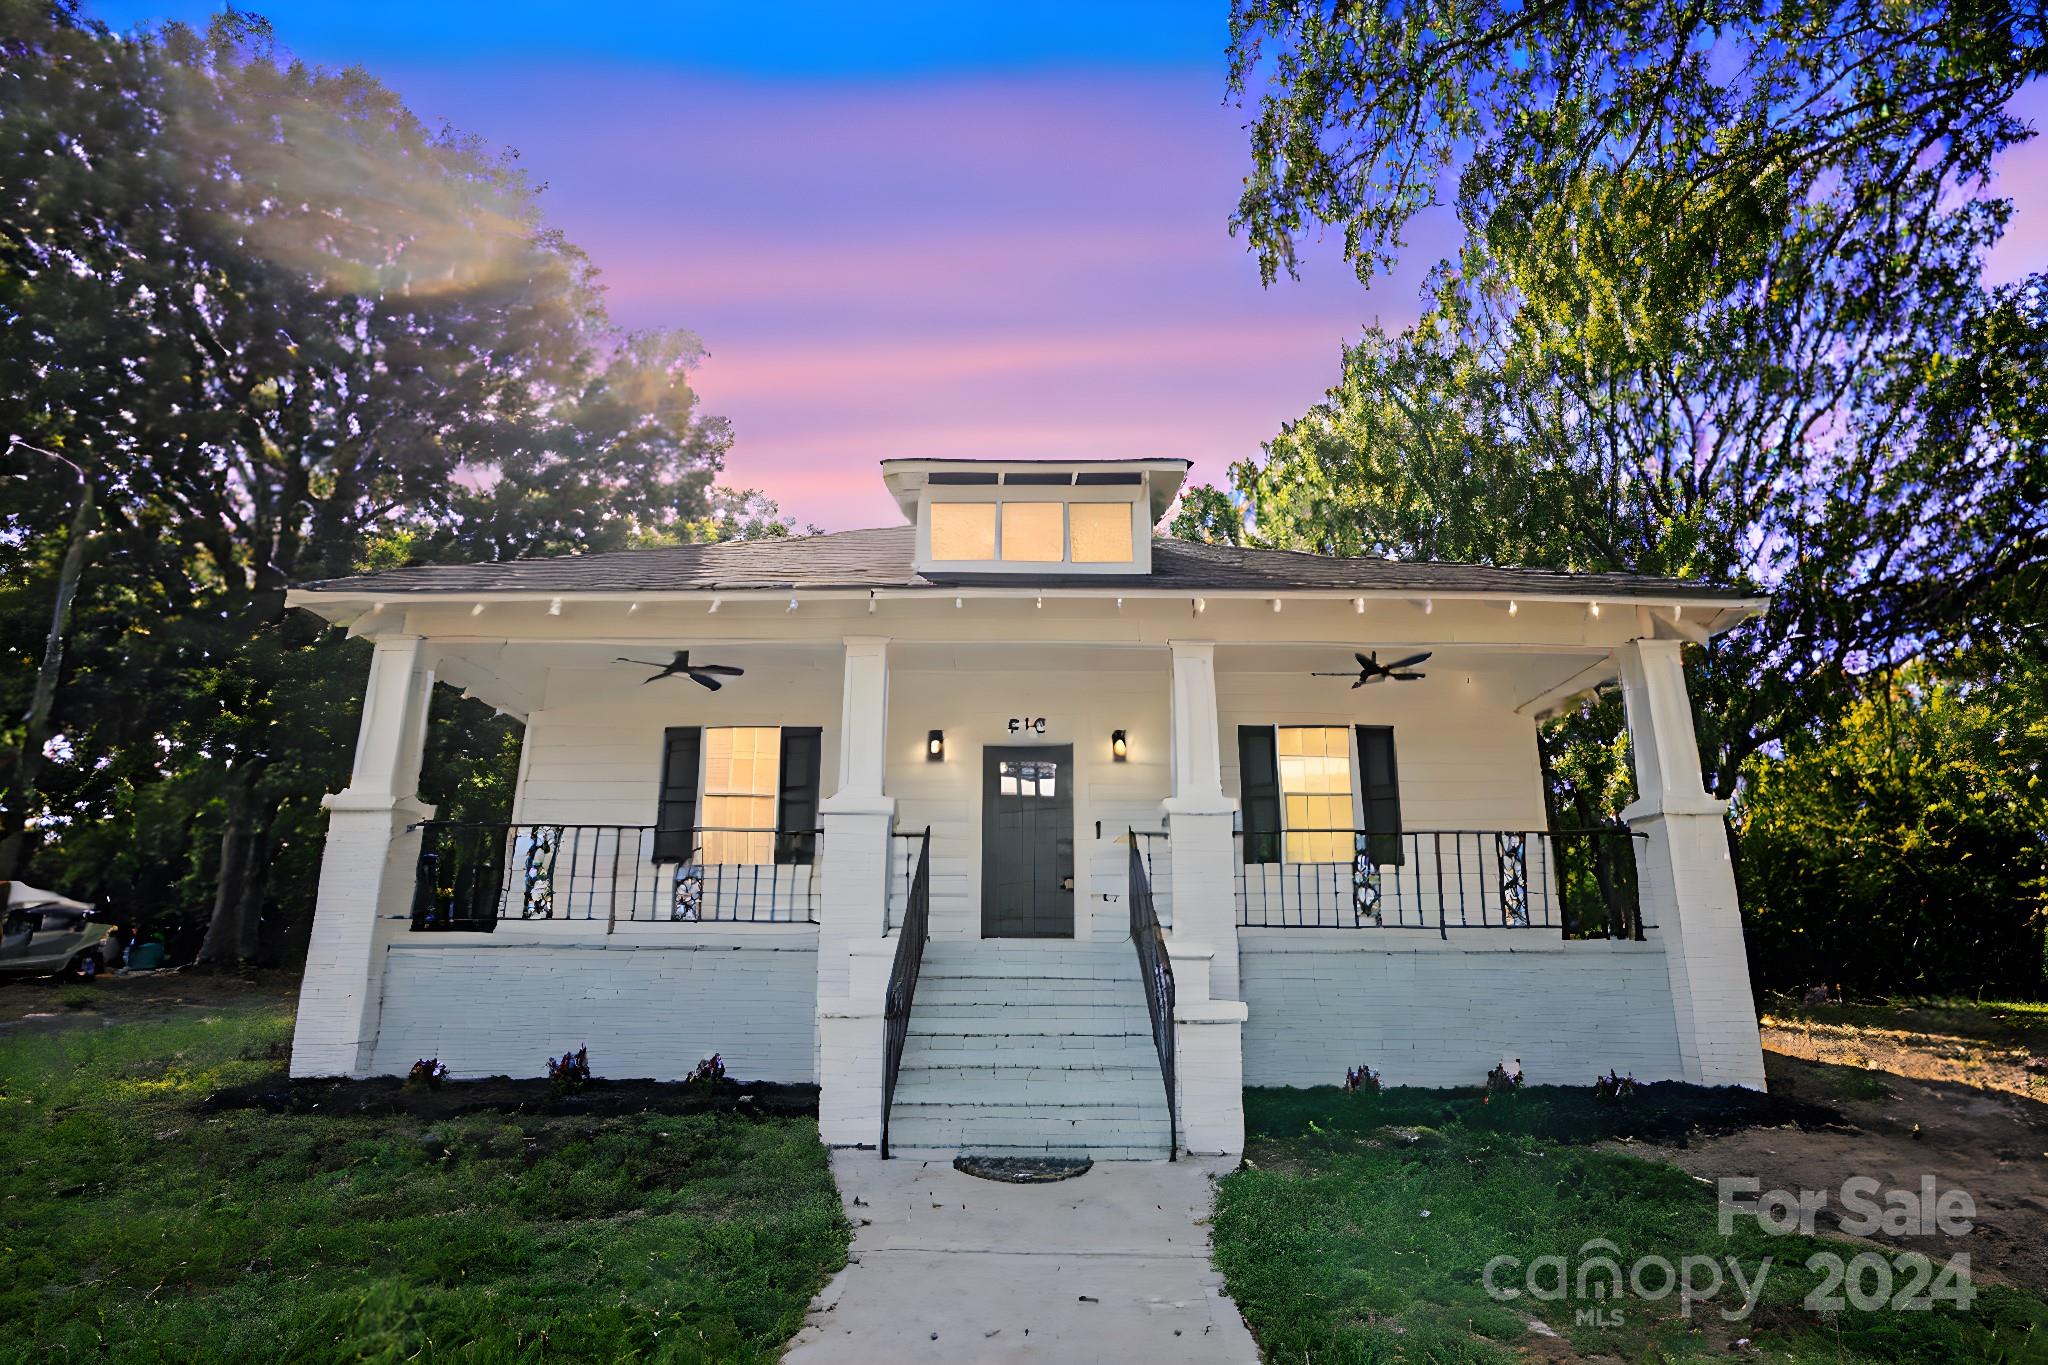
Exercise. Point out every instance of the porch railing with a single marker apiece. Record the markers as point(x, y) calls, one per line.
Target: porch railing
point(1152, 845)
point(906, 849)
point(1580, 883)
point(474, 876)
point(1155, 967)
point(903, 973)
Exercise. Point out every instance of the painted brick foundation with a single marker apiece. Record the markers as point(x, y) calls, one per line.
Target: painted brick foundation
point(1431, 1013)
point(644, 1010)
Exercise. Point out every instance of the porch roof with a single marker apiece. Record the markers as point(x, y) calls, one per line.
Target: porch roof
point(882, 558)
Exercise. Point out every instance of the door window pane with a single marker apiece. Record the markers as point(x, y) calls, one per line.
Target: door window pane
point(1034, 532)
point(741, 767)
point(1101, 532)
point(1315, 792)
point(963, 530)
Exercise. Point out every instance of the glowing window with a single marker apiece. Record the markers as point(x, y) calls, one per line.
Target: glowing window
point(742, 765)
point(963, 530)
point(1101, 532)
point(1315, 792)
point(1034, 532)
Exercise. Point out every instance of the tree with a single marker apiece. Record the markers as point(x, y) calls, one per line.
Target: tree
point(1714, 311)
point(278, 317)
point(1904, 849)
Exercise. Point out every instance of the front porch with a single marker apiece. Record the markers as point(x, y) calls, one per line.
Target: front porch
point(859, 927)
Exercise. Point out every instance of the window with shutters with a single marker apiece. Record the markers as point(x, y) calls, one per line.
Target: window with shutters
point(1302, 795)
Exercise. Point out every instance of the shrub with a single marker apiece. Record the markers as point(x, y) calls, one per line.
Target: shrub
point(1361, 1078)
point(1504, 1079)
point(570, 1070)
point(710, 1071)
point(1613, 1087)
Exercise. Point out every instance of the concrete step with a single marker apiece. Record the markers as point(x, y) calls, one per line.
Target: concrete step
point(1038, 1052)
point(1066, 1023)
point(1105, 1132)
point(1120, 1088)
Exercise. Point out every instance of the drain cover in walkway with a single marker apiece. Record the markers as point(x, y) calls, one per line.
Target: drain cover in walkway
point(1022, 1170)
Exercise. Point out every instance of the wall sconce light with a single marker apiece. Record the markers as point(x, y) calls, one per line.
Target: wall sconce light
point(1119, 745)
point(935, 747)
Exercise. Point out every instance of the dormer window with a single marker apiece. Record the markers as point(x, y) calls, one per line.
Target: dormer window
point(1088, 517)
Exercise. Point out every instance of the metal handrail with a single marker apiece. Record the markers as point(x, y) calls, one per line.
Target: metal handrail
point(471, 875)
point(1155, 967)
point(1579, 882)
point(903, 974)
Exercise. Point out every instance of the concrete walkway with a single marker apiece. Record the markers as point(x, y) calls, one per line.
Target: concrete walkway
point(1111, 1266)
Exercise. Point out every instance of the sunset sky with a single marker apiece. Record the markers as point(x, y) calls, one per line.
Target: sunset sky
point(914, 229)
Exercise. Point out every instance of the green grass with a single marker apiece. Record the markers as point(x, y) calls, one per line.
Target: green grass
point(1325, 1245)
point(138, 1228)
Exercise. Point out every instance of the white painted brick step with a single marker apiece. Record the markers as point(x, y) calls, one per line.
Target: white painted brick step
point(1021, 1047)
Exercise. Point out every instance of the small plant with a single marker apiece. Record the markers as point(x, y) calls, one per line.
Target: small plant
point(1361, 1079)
point(1504, 1079)
point(710, 1071)
point(1614, 1087)
point(570, 1070)
point(427, 1072)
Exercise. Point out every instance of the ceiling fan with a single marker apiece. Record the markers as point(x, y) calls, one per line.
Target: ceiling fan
point(704, 675)
point(1370, 669)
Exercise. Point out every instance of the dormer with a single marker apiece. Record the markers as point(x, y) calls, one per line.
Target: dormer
point(1034, 517)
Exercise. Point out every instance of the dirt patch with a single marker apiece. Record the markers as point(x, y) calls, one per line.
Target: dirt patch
point(36, 1005)
point(386, 1095)
point(2010, 1065)
point(1899, 1129)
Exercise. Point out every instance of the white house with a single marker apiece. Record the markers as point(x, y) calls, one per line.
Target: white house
point(1009, 825)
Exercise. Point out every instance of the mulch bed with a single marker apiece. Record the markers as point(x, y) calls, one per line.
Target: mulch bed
point(385, 1095)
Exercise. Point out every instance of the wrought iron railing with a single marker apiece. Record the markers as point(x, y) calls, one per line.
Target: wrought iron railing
point(906, 848)
point(903, 972)
point(1155, 966)
point(1151, 843)
point(474, 876)
point(1580, 883)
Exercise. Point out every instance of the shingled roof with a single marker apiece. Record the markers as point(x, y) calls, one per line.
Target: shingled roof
point(882, 559)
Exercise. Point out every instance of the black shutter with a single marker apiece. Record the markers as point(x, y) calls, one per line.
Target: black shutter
point(675, 827)
point(1380, 790)
point(1258, 792)
point(796, 798)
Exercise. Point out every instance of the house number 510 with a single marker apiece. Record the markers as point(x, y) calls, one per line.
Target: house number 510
point(1027, 725)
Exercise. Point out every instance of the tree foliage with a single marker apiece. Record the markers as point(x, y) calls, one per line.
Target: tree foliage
point(285, 327)
point(1712, 307)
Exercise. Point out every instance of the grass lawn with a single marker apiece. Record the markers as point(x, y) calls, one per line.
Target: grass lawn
point(1361, 1227)
point(136, 1227)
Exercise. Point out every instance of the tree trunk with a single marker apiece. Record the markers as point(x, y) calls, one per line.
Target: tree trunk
point(225, 933)
point(21, 788)
point(255, 882)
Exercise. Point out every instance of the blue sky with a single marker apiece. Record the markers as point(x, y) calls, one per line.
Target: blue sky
point(915, 229)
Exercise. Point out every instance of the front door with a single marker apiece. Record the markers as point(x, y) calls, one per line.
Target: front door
point(1027, 842)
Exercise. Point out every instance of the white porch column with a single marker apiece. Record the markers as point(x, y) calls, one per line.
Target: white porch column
point(1687, 883)
point(853, 955)
point(1209, 1016)
point(366, 868)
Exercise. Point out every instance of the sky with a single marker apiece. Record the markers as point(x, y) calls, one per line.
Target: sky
point(914, 229)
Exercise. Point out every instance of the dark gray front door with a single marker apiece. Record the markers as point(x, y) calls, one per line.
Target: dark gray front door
point(1027, 842)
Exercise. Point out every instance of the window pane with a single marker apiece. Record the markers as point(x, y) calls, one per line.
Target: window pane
point(1102, 532)
point(963, 530)
point(1033, 531)
point(741, 766)
point(1315, 788)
